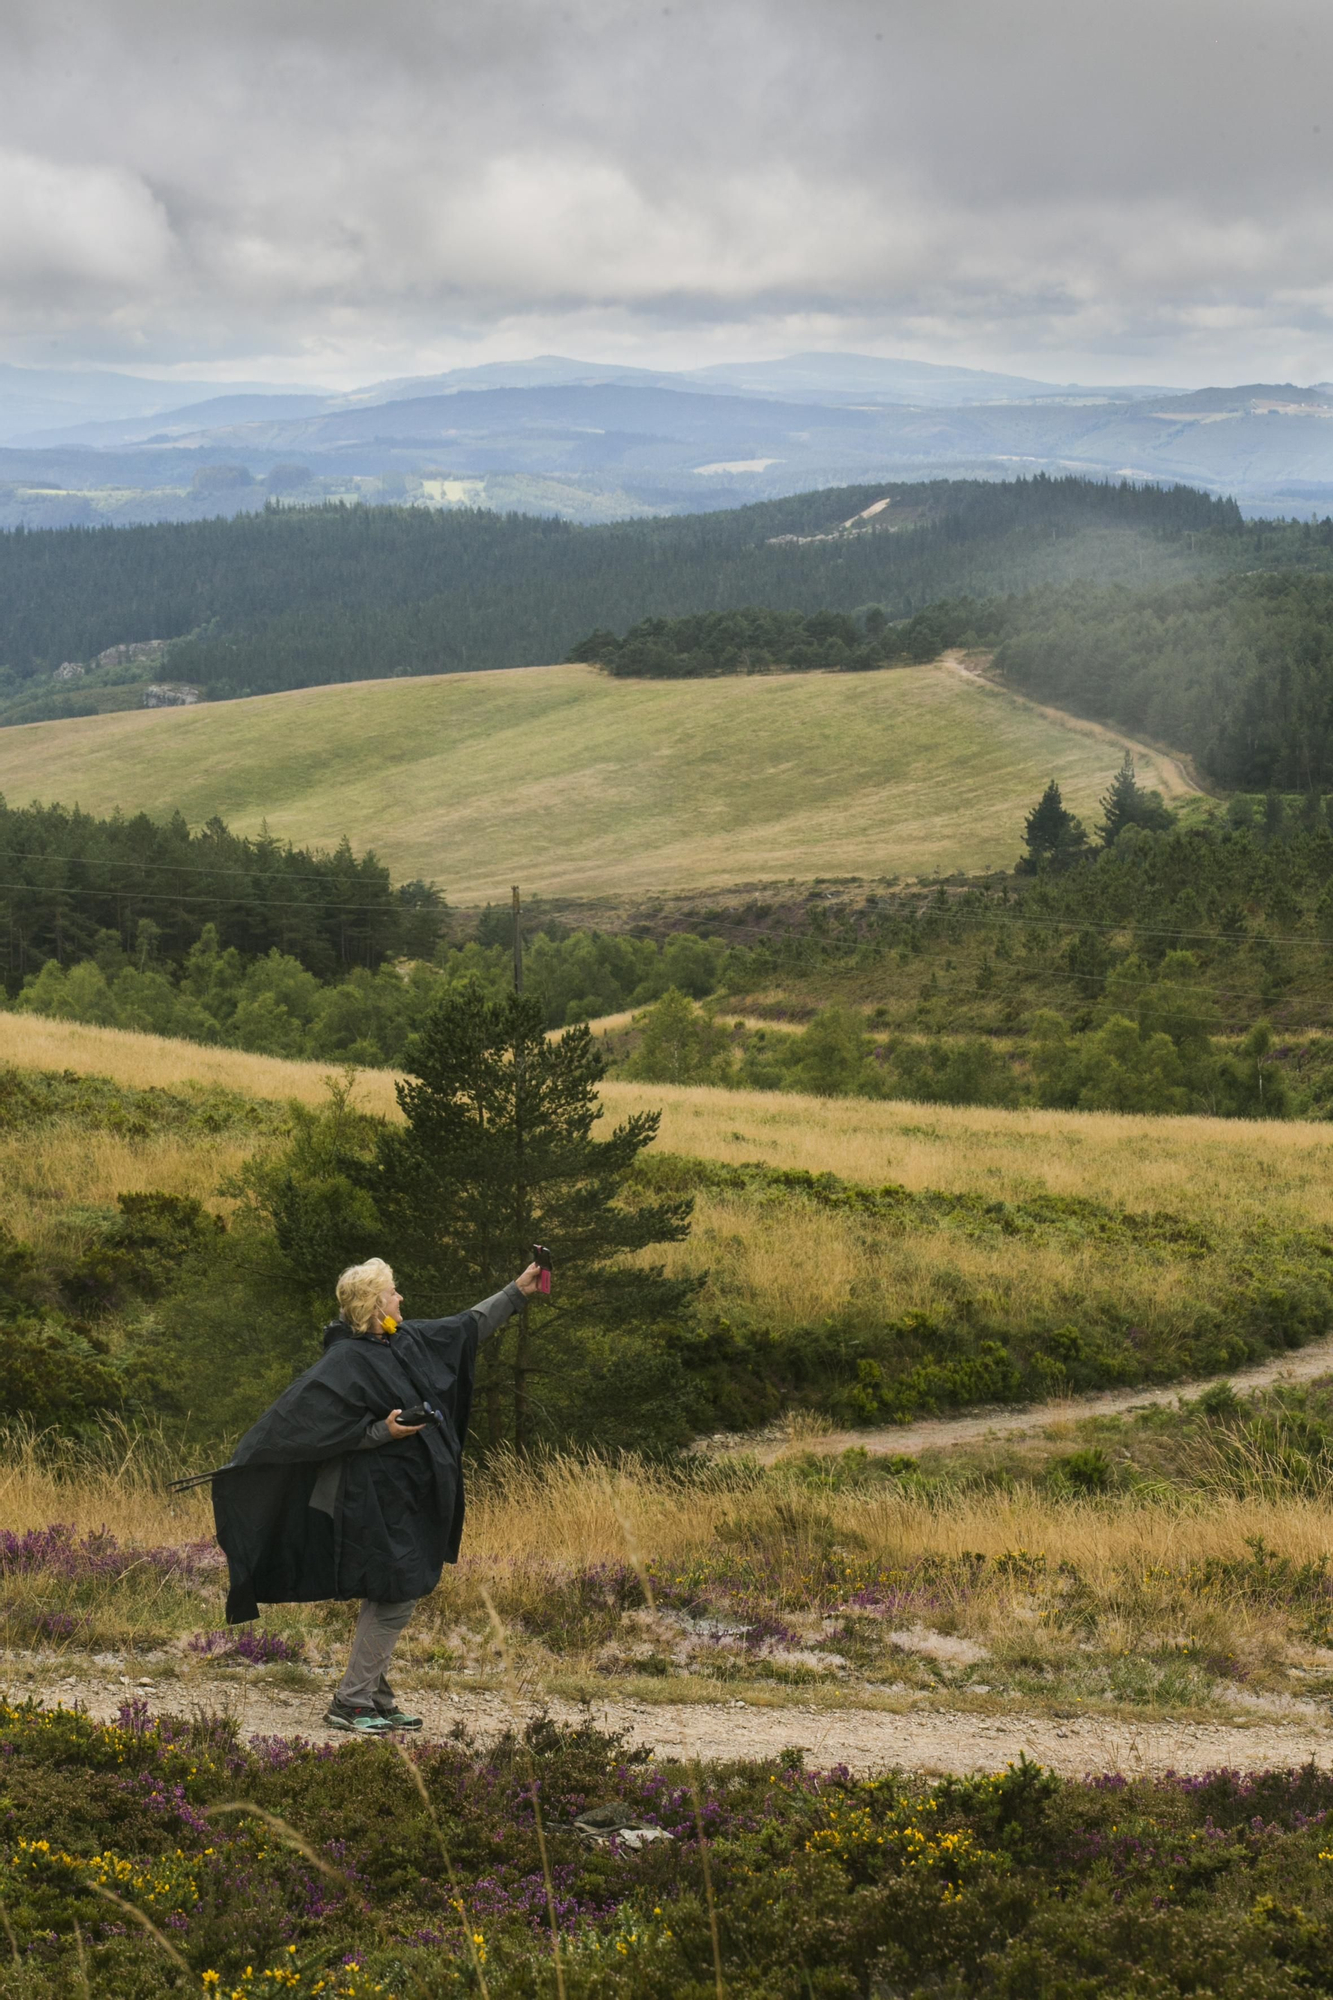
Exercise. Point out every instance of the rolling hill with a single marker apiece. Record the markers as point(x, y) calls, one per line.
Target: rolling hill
point(572, 783)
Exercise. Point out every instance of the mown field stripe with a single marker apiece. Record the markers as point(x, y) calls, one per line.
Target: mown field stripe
point(572, 783)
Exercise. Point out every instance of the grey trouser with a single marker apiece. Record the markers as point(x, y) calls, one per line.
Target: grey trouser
point(373, 1642)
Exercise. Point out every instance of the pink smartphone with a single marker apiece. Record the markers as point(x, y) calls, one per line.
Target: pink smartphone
point(541, 1256)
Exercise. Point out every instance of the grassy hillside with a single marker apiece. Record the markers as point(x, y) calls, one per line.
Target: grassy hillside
point(947, 1255)
point(571, 783)
point(1227, 1170)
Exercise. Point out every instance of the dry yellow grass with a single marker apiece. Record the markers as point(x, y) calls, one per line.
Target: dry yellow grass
point(799, 1264)
point(46, 1186)
point(155, 1061)
point(568, 1511)
point(795, 1266)
point(573, 1512)
point(121, 1486)
point(1145, 1631)
point(1204, 1166)
point(1200, 1166)
point(50, 1188)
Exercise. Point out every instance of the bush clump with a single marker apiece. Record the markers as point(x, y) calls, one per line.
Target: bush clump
point(283, 1866)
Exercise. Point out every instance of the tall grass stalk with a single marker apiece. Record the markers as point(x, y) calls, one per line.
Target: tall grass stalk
point(15, 1953)
point(144, 1921)
point(502, 1644)
point(83, 1960)
point(459, 1902)
point(692, 1763)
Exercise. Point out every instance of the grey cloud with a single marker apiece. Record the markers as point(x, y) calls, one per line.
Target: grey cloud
point(361, 188)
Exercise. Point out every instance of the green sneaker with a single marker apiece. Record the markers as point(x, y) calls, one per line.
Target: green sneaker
point(394, 1717)
point(356, 1720)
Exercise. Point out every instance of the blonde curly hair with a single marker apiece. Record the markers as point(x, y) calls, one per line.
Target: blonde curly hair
point(362, 1289)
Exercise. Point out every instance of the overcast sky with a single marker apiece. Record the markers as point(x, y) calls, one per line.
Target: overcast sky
point(339, 190)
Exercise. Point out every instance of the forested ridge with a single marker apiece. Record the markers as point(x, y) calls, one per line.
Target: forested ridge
point(1236, 670)
point(1159, 610)
point(299, 597)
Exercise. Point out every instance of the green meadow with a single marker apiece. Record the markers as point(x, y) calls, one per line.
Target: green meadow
point(575, 784)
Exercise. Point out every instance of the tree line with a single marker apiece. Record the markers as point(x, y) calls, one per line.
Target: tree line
point(1247, 894)
point(1237, 670)
point(140, 892)
point(1130, 967)
point(273, 1006)
point(1148, 1044)
point(754, 641)
point(297, 597)
point(279, 951)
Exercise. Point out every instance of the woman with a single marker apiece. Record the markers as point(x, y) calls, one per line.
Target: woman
point(330, 1495)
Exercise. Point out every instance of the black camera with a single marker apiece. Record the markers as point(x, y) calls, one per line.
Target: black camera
point(421, 1413)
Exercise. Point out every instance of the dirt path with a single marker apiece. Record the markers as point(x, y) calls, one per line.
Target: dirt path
point(935, 1432)
point(865, 1739)
point(1173, 772)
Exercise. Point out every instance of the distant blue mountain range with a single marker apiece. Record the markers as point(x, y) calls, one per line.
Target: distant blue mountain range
point(594, 441)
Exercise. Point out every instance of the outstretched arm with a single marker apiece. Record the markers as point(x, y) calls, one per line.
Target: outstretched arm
point(492, 1313)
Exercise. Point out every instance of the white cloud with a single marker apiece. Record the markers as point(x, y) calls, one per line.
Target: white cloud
point(69, 228)
point(319, 184)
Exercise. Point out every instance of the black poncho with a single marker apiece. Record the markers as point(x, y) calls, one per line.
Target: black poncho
point(398, 1512)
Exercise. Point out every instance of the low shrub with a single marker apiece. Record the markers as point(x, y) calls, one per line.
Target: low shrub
point(421, 1872)
point(260, 1649)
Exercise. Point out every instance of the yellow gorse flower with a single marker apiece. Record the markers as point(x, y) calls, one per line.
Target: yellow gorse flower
point(854, 1833)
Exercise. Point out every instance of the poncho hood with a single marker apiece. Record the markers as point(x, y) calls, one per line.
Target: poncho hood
point(398, 1513)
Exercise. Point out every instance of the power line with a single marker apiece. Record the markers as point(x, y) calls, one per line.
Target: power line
point(1002, 918)
point(313, 905)
point(161, 867)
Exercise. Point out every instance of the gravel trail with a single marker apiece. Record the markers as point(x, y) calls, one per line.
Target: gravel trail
point(865, 1739)
point(999, 1421)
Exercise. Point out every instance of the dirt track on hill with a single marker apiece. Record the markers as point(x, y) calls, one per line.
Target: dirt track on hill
point(865, 1739)
point(934, 1433)
point(1176, 771)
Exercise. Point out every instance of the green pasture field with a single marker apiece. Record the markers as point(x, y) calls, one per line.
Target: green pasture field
point(575, 784)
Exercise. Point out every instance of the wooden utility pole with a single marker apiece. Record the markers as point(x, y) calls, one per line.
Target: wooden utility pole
point(518, 942)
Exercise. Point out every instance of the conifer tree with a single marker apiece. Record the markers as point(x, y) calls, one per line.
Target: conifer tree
point(1126, 803)
point(498, 1152)
point(1052, 833)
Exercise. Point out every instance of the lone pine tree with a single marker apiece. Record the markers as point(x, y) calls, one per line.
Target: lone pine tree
point(498, 1151)
point(1127, 804)
point(1051, 833)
